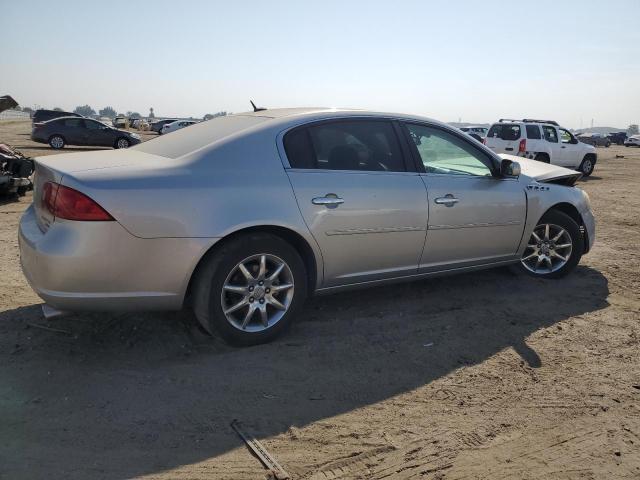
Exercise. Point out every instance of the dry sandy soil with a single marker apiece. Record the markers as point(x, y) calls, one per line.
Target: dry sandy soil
point(484, 375)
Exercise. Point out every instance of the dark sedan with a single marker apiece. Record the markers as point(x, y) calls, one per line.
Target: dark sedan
point(82, 131)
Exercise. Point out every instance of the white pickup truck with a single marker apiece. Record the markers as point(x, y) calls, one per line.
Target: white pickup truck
point(542, 140)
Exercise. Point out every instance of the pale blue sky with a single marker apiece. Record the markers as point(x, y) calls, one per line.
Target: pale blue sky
point(476, 60)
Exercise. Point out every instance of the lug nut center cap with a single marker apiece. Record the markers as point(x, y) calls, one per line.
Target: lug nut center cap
point(258, 292)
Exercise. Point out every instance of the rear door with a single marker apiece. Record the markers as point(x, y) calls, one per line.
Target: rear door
point(366, 211)
point(474, 217)
point(504, 138)
point(73, 130)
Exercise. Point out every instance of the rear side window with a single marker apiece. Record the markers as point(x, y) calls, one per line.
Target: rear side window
point(504, 131)
point(533, 132)
point(346, 145)
point(73, 122)
point(550, 134)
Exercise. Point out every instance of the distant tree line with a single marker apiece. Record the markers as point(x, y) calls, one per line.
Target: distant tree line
point(209, 116)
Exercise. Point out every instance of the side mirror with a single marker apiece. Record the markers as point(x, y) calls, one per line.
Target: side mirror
point(509, 168)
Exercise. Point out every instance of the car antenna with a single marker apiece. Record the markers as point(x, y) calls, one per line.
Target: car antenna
point(256, 109)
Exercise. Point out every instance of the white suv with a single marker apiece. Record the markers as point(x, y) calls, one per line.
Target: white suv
point(542, 140)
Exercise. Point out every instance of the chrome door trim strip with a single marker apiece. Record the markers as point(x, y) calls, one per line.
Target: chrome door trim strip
point(475, 225)
point(359, 231)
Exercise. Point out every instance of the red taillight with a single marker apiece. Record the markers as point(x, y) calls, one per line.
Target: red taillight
point(70, 204)
point(523, 146)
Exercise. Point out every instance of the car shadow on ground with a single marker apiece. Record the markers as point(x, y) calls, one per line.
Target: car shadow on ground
point(66, 149)
point(117, 396)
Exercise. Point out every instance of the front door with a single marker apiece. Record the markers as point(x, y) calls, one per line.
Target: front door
point(97, 134)
point(475, 216)
point(367, 213)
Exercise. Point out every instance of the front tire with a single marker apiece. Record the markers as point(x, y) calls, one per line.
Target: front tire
point(122, 143)
point(250, 290)
point(554, 248)
point(587, 166)
point(56, 142)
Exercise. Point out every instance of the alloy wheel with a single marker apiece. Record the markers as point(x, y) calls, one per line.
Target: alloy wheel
point(549, 249)
point(123, 143)
point(257, 293)
point(57, 142)
point(586, 166)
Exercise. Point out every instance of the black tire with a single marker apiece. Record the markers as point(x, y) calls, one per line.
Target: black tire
point(213, 272)
point(587, 165)
point(542, 157)
point(121, 142)
point(56, 142)
point(608, 144)
point(563, 220)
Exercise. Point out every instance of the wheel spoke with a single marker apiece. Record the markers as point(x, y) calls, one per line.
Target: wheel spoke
point(263, 267)
point(235, 289)
point(564, 245)
point(538, 262)
point(236, 307)
point(528, 257)
point(276, 272)
point(248, 316)
point(281, 287)
point(535, 235)
point(549, 262)
point(246, 273)
point(557, 255)
point(546, 231)
point(558, 236)
point(263, 315)
point(276, 303)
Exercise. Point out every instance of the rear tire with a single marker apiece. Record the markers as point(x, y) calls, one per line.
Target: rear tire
point(587, 166)
point(556, 255)
point(542, 157)
point(268, 305)
point(56, 142)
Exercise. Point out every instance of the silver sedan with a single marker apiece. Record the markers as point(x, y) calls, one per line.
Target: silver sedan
point(243, 217)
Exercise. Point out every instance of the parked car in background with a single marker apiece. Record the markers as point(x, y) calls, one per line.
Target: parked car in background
point(120, 122)
point(177, 125)
point(542, 140)
point(42, 115)
point(595, 139)
point(617, 137)
point(479, 133)
point(243, 216)
point(157, 126)
point(632, 141)
point(82, 131)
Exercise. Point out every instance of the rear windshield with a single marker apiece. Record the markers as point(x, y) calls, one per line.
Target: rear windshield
point(187, 140)
point(504, 131)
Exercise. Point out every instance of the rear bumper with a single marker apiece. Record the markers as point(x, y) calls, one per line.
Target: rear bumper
point(99, 266)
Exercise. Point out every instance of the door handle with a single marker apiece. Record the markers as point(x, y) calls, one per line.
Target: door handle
point(330, 200)
point(563, 146)
point(448, 200)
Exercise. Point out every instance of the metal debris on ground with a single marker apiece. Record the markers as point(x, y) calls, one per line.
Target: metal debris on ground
point(263, 455)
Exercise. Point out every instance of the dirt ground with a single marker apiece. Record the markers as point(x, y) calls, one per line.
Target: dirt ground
point(483, 375)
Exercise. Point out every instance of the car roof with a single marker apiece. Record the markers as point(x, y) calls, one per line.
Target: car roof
point(67, 117)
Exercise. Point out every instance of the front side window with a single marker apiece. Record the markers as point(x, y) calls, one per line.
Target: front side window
point(550, 134)
point(364, 145)
point(566, 136)
point(444, 153)
point(92, 125)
